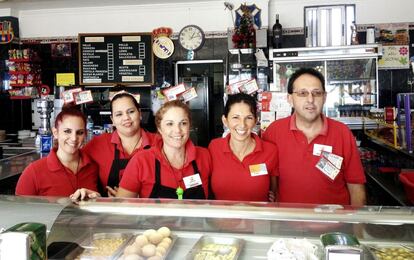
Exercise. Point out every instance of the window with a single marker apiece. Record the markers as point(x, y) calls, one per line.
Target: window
point(328, 25)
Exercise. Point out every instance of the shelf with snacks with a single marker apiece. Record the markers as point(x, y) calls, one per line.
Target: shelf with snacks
point(20, 97)
point(19, 60)
point(18, 72)
point(24, 73)
point(21, 85)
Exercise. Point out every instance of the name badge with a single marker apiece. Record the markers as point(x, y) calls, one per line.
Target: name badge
point(258, 169)
point(192, 181)
point(318, 148)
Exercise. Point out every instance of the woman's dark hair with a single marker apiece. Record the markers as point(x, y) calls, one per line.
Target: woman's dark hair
point(127, 95)
point(241, 98)
point(301, 72)
point(170, 104)
point(69, 111)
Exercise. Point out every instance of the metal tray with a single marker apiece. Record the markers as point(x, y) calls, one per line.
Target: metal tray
point(390, 252)
point(103, 246)
point(212, 246)
point(132, 240)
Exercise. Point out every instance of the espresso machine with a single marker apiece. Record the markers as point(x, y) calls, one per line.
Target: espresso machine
point(45, 109)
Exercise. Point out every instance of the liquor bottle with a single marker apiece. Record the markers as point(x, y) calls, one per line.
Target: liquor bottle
point(89, 128)
point(354, 34)
point(277, 34)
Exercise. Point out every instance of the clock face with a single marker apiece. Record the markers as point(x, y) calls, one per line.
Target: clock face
point(191, 37)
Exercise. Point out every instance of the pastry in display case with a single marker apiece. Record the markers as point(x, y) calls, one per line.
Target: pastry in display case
point(115, 228)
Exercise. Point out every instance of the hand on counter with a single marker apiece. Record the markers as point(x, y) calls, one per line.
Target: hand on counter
point(84, 194)
point(272, 196)
point(112, 191)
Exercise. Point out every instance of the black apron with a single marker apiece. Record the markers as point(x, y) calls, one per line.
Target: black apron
point(116, 167)
point(160, 191)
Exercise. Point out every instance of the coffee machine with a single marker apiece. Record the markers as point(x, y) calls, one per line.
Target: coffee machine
point(45, 109)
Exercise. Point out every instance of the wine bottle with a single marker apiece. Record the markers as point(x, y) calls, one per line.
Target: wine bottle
point(354, 34)
point(277, 34)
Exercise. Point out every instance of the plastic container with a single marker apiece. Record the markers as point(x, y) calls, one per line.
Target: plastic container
point(407, 178)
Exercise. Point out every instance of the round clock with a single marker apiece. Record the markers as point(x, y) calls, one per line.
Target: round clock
point(191, 37)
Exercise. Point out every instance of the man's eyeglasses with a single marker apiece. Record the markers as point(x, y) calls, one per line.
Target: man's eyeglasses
point(305, 93)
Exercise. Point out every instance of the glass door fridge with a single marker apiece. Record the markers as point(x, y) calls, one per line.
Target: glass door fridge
point(351, 77)
point(207, 77)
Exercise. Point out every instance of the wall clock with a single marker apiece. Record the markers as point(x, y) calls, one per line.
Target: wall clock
point(191, 37)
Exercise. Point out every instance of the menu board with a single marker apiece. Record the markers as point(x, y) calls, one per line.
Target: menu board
point(121, 58)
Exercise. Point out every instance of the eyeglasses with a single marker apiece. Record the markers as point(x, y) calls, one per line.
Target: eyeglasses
point(305, 93)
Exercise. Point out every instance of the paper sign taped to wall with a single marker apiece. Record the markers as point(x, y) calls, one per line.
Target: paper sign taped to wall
point(65, 79)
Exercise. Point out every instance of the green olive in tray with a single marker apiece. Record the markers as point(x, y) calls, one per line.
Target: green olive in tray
point(393, 253)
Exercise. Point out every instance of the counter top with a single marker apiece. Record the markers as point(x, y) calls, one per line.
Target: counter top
point(386, 182)
point(15, 165)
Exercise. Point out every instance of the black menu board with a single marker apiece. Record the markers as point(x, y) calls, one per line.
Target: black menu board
point(116, 58)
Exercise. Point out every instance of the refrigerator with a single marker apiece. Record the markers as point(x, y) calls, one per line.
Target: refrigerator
point(207, 77)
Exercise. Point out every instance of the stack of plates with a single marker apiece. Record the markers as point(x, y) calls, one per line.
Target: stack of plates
point(23, 134)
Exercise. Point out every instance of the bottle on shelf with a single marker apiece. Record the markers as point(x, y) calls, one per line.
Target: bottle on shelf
point(89, 128)
point(277, 35)
point(354, 34)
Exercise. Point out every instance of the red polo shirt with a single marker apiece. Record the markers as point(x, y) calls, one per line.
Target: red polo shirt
point(299, 180)
point(101, 149)
point(48, 177)
point(231, 178)
point(139, 175)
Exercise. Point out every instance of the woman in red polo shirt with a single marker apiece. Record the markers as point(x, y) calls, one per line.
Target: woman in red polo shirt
point(244, 166)
point(174, 167)
point(66, 168)
point(113, 151)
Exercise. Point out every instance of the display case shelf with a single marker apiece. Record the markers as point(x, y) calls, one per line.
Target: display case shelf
point(20, 60)
point(21, 85)
point(22, 72)
point(20, 97)
point(350, 72)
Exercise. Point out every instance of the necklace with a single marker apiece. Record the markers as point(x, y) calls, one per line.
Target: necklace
point(135, 146)
point(179, 191)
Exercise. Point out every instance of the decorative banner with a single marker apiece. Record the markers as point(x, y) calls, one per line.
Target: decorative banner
point(255, 12)
point(394, 57)
point(6, 32)
point(162, 46)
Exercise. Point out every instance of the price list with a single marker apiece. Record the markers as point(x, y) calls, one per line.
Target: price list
point(108, 59)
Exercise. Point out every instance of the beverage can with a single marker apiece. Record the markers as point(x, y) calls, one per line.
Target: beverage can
point(46, 143)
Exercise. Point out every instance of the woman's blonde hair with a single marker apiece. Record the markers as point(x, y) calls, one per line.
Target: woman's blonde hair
point(170, 104)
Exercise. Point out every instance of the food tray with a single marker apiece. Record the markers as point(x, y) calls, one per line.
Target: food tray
point(211, 247)
point(390, 252)
point(103, 246)
point(132, 240)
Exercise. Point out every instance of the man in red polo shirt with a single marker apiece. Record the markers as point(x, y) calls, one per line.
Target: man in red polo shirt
point(318, 158)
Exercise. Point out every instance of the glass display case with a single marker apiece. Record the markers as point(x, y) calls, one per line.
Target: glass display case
point(242, 64)
point(351, 77)
point(257, 225)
